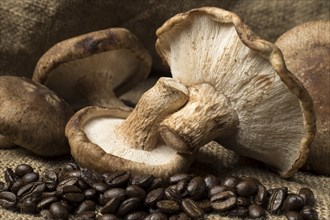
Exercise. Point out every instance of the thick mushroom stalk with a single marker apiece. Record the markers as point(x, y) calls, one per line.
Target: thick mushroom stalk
point(201, 120)
point(140, 129)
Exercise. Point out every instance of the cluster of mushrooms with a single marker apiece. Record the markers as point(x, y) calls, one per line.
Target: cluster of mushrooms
point(228, 85)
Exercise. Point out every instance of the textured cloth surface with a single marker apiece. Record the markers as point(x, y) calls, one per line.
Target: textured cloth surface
point(212, 159)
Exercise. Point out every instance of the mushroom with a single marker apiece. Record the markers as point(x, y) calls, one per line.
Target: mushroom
point(33, 117)
point(91, 69)
point(240, 91)
point(115, 139)
point(306, 49)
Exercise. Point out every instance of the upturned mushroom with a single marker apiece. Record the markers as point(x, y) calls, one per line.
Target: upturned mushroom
point(306, 49)
point(33, 117)
point(115, 139)
point(240, 91)
point(94, 68)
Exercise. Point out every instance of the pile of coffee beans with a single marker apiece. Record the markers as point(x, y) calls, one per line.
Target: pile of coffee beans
point(78, 193)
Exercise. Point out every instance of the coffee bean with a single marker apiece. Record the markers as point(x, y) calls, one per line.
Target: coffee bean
point(30, 177)
point(196, 188)
point(118, 179)
point(219, 188)
point(191, 208)
point(90, 193)
point(293, 202)
point(246, 188)
point(10, 176)
point(223, 201)
point(2, 186)
point(69, 189)
point(136, 191)
point(144, 181)
point(205, 205)
point(111, 206)
point(309, 213)
point(156, 216)
point(50, 177)
point(181, 188)
point(156, 183)
point(87, 205)
point(168, 206)
point(138, 215)
point(23, 169)
point(129, 205)
point(85, 215)
point(17, 185)
point(73, 197)
point(119, 193)
point(154, 196)
point(58, 211)
point(276, 199)
point(238, 212)
point(256, 211)
point(308, 196)
point(180, 176)
point(70, 181)
point(73, 173)
point(211, 181)
point(179, 216)
point(7, 200)
point(33, 189)
point(90, 177)
point(243, 201)
point(231, 181)
point(292, 215)
point(46, 202)
point(261, 197)
point(100, 187)
point(67, 167)
point(50, 194)
point(107, 217)
point(29, 206)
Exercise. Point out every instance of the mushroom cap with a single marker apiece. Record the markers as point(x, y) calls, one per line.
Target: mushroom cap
point(87, 69)
point(306, 49)
point(95, 145)
point(276, 118)
point(32, 116)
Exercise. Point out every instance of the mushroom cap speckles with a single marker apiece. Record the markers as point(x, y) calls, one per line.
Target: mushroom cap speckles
point(86, 132)
point(276, 118)
point(91, 69)
point(32, 116)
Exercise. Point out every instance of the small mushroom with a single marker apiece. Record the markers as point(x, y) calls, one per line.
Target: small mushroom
point(91, 69)
point(306, 49)
point(33, 117)
point(115, 139)
point(240, 91)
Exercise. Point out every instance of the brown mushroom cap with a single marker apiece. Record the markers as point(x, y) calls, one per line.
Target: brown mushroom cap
point(306, 49)
point(95, 144)
point(211, 47)
point(91, 68)
point(32, 116)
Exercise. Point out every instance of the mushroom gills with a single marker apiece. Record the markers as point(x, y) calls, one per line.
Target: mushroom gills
point(101, 131)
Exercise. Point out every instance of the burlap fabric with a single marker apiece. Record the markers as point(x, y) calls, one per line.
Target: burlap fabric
point(29, 27)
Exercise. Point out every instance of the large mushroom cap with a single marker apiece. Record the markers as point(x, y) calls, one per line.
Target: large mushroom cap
point(33, 117)
point(96, 145)
point(90, 68)
point(306, 49)
point(213, 48)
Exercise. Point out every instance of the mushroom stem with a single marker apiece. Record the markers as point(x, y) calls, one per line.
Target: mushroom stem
point(207, 115)
point(140, 128)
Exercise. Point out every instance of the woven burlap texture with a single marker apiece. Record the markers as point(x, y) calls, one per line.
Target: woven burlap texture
point(212, 159)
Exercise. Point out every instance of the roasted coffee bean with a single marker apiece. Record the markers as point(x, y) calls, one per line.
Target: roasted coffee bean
point(2, 186)
point(71, 181)
point(156, 216)
point(243, 201)
point(238, 212)
point(256, 211)
point(107, 217)
point(118, 179)
point(111, 206)
point(191, 208)
point(7, 200)
point(30, 177)
point(29, 206)
point(70, 207)
point(70, 167)
point(86, 215)
point(246, 188)
point(144, 181)
point(309, 213)
point(308, 196)
point(17, 185)
point(154, 196)
point(211, 181)
point(73, 197)
point(129, 205)
point(50, 177)
point(90, 194)
point(180, 176)
point(181, 188)
point(86, 205)
point(82, 185)
point(10, 176)
point(293, 215)
point(179, 216)
point(205, 205)
point(196, 188)
point(100, 187)
point(46, 202)
point(156, 183)
point(276, 199)
point(219, 188)
point(168, 206)
point(58, 211)
point(90, 177)
point(231, 181)
point(223, 201)
point(50, 194)
point(33, 189)
point(293, 202)
point(261, 197)
point(119, 193)
point(23, 169)
point(69, 189)
point(172, 194)
point(138, 215)
point(136, 191)
point(73, 173)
